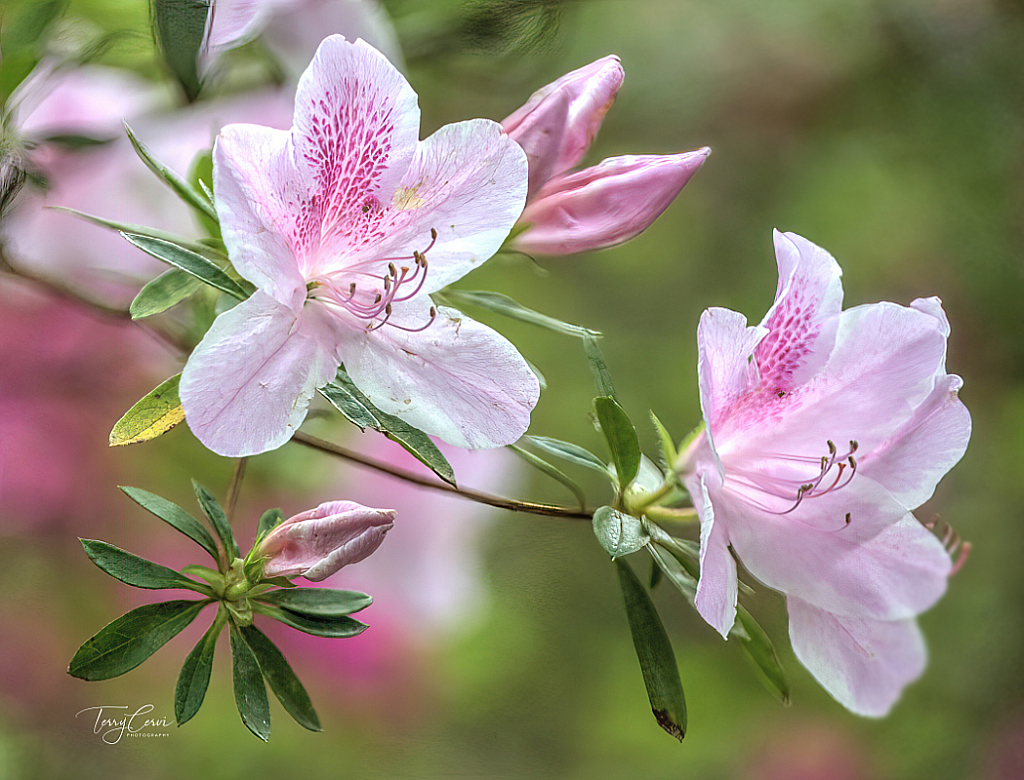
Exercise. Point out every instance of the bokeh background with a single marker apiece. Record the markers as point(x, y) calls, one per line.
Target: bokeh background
point(890, 132)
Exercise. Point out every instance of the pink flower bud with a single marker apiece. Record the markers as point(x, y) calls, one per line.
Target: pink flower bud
point(559, 121)
point(317, 543)
point(604, 205)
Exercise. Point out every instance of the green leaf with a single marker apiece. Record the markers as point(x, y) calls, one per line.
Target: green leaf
point(570, 452)
point(250, 692)
point(174, 516)
point(761, 651)
point(621, 437)
point(602, 376)
point(502, 304)
point(350, 401)
point(555, 473)
point(268, 522)
point(334, 627)
point(168, 289)
point(619, 534)
point(200, 177)
point(318, 602)
point(668, 448)
point(182, 188)
point(215, 514)
point(670, 565)
point(22, 36)
point(125, 643)
point(189, 261)
point(654, 651)
point(207, 251)
point(153, 415)
point(179, 26)
point(195, 675)
point(135, 571)
point(283, 682)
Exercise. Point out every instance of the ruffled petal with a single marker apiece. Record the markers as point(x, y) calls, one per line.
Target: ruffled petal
point(897, 574)
point(725, 370)
point(863, 663)
point(717, 587)
point(456, 379)
point(246, 386)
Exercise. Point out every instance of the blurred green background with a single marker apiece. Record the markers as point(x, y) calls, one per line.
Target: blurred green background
point(889, 132)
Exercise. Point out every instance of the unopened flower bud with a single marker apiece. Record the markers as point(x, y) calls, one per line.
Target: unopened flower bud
point(558, 123)
point(317, 543)
point(604, 205)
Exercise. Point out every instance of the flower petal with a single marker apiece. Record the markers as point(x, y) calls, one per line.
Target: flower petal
point(725, 370)
point(717, 587)
point(863, 663)
point(456, 379)
point(246, 386)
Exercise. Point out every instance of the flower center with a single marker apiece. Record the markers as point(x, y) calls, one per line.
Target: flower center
point(371, 297)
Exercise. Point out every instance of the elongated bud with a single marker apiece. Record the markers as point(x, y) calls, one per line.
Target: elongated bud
point(558, 123)
point(604, 205)
point(317, 543)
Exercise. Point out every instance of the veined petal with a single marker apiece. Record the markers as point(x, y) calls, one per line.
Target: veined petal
point(717, 587)
point(456, 379)
point(259, 201)
point(246, 386)
point(725, 369)
point(895, 575)
point(468, 182)
point(863, 663)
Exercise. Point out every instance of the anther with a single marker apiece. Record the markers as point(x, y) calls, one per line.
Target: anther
point(392, 270)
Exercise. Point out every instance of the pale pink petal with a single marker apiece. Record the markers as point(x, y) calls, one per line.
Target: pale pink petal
point(263, 209)
point(725, 369)
point(717, 587)
point(895, 575)
point(246, 386)
point(456, 379)
point(863, 663)
point(231, 23)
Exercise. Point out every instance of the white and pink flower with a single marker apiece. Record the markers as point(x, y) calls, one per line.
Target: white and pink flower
point(824, 429)
point(345, 224)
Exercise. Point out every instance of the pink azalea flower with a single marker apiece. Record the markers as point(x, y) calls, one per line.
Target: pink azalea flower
point(607, 204)
point(317, 543)
point(345, 224)
point(825, 428)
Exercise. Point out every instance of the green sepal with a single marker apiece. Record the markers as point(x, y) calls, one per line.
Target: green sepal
point(552, 471)
point(194, 678)
point(598, 366)
point(178, 26)
point(283, 682)
point(268, 522)
point(507, 307)
point(334, 627)
point(215, 514)
point(174, 516)
point(317, 602)
point(619, 534)
point(620, 434)
point(654, 652)
point(350, 401)
point(158, 295)
point(759, 648)
point(568, 451)
point(125, 643)
point(138, 572)
point(202, 268)
point(153, 415)
point(250, 691)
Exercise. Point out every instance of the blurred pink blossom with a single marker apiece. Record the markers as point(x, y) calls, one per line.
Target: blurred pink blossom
point(824, 429)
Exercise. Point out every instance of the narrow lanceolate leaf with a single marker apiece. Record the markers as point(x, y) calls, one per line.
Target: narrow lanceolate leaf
point(174, 516)
point(152, 416)
point(135, 571)
point(759, 647)
point(268, 521)
point(334, 627)
point(283, 682)
point(191, 262)
point(669, 564)
point(502, 304)
point(620, 534)
point(568, 451)
point(349, 400)
point(318, 602)
point(169, 289)
point(602, 376)
point(206, 250)
point(668, 447)
point(654, 651)
point(195, 676)
point(179, 26)
point(621, 437)
point(250, 692)
point(184, 190)
point(552, 471)
point(199, 175)
point(215, 514)
point(125, 643)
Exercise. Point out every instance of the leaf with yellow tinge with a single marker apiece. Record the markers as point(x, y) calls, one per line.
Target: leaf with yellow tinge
point(155, 414)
